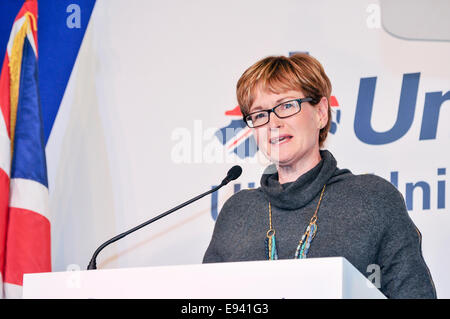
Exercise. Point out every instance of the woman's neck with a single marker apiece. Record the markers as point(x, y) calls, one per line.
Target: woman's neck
point(290, 173)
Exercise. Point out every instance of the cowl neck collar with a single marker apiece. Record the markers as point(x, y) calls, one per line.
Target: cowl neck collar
point(299, 193)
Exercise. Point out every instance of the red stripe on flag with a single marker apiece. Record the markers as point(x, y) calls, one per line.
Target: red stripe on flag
point(29, 6)
point(237, 140)
point(28, 250)
point(4, 199)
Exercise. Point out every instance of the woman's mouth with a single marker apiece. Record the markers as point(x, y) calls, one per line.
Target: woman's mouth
point(280, 139)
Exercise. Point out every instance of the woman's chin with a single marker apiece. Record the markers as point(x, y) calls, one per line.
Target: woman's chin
point(281, 161)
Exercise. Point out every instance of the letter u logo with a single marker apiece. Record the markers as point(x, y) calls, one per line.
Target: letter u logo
point(405, 115)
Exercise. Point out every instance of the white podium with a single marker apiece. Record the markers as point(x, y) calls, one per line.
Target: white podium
point(313, 278)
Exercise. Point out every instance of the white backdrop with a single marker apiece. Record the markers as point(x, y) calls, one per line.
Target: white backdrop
point(155, 78)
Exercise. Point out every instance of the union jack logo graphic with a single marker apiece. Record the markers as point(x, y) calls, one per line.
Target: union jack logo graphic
point(237, 137)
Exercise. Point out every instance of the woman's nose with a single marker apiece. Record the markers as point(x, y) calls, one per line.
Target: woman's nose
point(274, 121)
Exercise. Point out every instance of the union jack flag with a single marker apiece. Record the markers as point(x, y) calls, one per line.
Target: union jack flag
point(24, 216)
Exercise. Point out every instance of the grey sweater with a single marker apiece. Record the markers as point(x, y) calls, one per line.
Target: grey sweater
point(362, 218)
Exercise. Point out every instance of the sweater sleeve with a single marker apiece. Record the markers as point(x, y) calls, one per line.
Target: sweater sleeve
point(404, 273)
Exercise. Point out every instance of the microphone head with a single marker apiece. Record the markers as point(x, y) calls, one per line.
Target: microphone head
point(232, 174)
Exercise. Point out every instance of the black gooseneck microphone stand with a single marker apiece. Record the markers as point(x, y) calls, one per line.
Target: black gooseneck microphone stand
point(233, 173)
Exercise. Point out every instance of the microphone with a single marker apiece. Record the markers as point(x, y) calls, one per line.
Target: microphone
point(232, 174)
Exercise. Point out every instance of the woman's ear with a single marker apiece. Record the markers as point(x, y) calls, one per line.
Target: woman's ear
point(322, 112)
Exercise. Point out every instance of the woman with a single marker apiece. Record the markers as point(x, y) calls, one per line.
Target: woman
point(306, 206)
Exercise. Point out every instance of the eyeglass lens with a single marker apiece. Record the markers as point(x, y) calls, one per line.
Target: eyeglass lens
point(283, 110)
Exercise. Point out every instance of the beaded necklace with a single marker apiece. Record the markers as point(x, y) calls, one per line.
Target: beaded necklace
point(303, 244)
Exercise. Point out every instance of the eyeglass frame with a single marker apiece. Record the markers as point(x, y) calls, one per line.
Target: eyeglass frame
point(272, 110)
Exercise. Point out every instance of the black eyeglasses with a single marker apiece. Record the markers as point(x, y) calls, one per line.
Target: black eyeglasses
point(281, 110)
